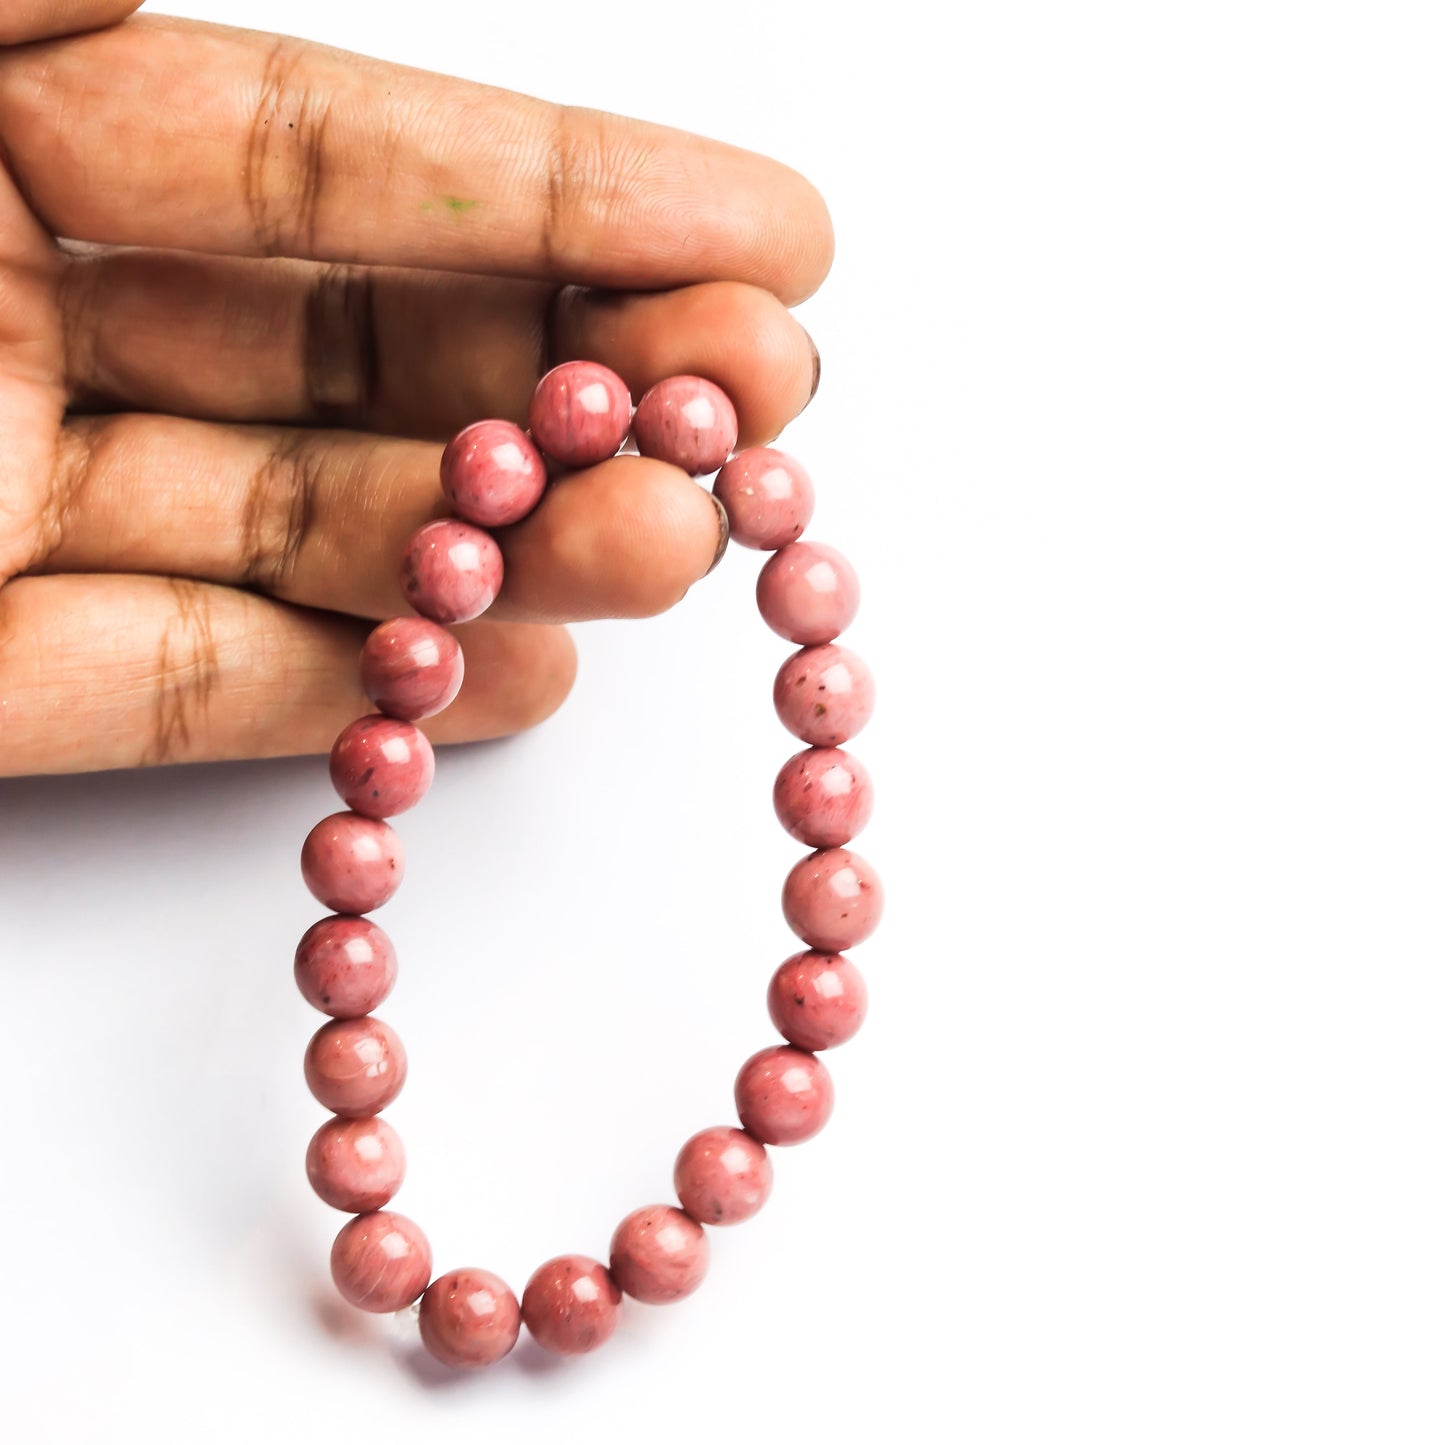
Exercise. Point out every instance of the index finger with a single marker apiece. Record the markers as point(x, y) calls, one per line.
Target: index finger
point(167, 133)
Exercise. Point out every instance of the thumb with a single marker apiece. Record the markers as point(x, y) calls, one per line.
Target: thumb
point(24, 20)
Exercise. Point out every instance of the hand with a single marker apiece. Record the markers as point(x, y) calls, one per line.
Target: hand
point(287, 275)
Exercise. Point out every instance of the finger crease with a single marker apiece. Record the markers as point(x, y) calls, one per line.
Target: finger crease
point(187, 675)
point(279, 517)
point(342, 361)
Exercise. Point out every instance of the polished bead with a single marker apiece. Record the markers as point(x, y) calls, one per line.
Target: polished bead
point(451, 571)
point(688, 421)
point(345, 966)
point(808, 593)
point(832, 899)
point(722, 1176)
point(784, 1095)
point(823, 797)
point(381, 766)
point(570, 1305)
point(768, 498)
point(352, 864)
point(380, 1261)
point(492, 474)
point(824, 694)
point(659, 1254)
point(355, 1067)
point(817, 1000)
point(355, 1164)
point(580, 413)
point(469, 1317)
point(411, 668)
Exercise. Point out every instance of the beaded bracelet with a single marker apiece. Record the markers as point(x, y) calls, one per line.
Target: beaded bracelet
point(493, 474)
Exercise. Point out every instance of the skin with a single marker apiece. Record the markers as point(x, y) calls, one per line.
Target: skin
point(288, 274)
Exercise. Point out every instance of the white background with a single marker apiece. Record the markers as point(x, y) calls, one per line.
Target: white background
point(1131, 419)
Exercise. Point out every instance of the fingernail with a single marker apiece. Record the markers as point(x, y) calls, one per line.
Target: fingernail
point(817, 368)
point(722, 541)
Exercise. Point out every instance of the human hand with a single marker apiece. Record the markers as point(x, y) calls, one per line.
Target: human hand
point(288, 274)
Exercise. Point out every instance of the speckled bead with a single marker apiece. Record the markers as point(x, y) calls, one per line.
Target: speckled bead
point(817, 1000)
point(580, 413)
point(570, 1305)
point(469, 1318)
point(688, 421)
point(722, 1176)
point(768, 498)
point(784, 1095)
point(381, 766)
point(380, 1261)
point(808, 593)
point(492, 475)
point(824, 694)
point(356, 1164)
point(345, 966)
point(411, 668)
point(832, 899)
point(352, 864)
point(659, 1254)
point(355, 1067)
point(451, 571)
point(823, 797)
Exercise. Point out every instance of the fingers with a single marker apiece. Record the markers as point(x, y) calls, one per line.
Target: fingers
point(321, 519)
point(404, 352)
point(117, 672)
point(165, 133)
point(25, 20)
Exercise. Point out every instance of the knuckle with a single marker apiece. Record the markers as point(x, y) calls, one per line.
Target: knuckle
point(279, 514)
point(187, 675)
point(342, 358)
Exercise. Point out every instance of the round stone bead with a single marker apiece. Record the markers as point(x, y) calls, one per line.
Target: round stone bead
point(688, 421)
point(832, 899)
point(784, 1095)
point(345, 966)
point(380, 1261)
point(570, 1305)
point(451, 571)
point(823, 796)
point(352, 864)
point(469, 1317)
point(355, 1067)
point(355, 1164)
point(381, 766)
point(824, 694)
point(580, 413)
point(768, 498)
point(658, 1254)
point(492, 475)
point(723, 1176)
point(808, 593)
point(411, 668)
point(817, 1000)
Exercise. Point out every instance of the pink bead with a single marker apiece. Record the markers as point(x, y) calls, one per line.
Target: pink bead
point(768, 498)
point(784, 1095)
point(355, 1067)
point(345, 966)
point(658, 1254)
point(570, 1305)
point(817, 1000)
point(380, 1261)
point(411, 668)
point(492, 475)
point(381, 766)
point(824, 694)
point(687, 421)
point(355, 1164)
point(832, 899)
point(580, 413)
point(823, 796)
point(450, 571)
point(352, 864)
point(469, 1317)
point(723, 1176)
point(808, 592)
